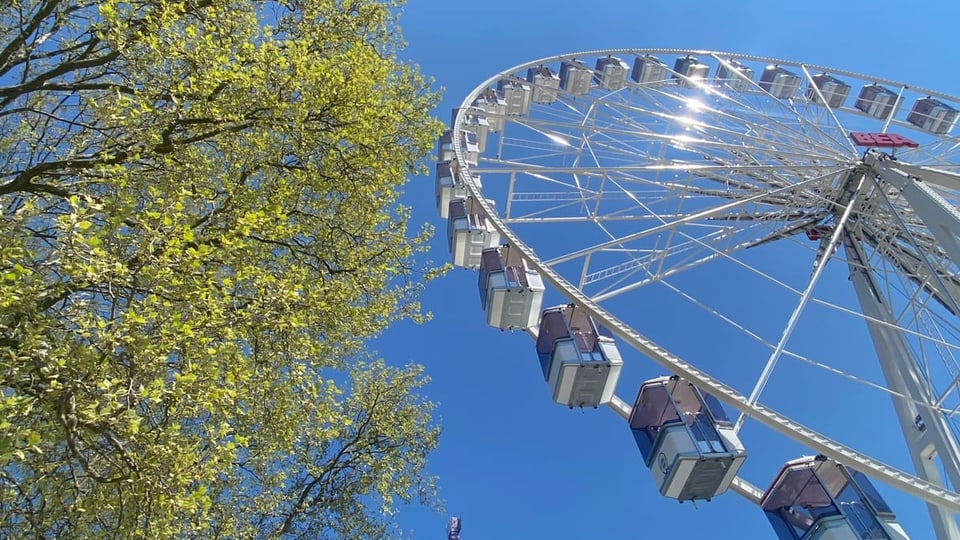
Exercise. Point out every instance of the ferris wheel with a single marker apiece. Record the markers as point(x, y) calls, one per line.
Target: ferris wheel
point(777, 234)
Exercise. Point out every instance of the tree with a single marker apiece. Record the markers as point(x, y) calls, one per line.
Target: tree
point(200, 233)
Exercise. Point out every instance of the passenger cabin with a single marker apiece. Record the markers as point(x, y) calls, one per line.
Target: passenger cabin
point(689, 70)
point(445, 146)
point(469, 232)
point(470, 147)
point(815, 498)
point(611, 73)
point(516, 94)
point(833, 90)
point(468, 144)
point(453, 528)
point(579, 359)
point(686, 439)
point(511, 293)
point(495, 107)
point(648, 69)
point(780, 82)
point(450, 186)
point(737, 76)
point(545, 82)
point(876, 100)
point(474, 121)
point(575, 78)
point(931, 114)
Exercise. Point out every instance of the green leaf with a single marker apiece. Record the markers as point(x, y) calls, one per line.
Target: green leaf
point(219, 239)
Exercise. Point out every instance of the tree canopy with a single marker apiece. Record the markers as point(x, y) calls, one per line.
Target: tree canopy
point(199, 233)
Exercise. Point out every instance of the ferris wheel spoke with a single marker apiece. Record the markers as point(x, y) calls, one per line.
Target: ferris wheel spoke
point(834, 140)
point(840, 133)
point(942, 286)
point(913, 252)
point(710, 120)
point(928, 326)
point(687, 219)
point(628, 141)
point(665, 113)
point(745, 330)
point(943, 154)
point(629, 268)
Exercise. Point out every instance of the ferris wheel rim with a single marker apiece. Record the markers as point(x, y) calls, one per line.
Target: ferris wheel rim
point(906, 482)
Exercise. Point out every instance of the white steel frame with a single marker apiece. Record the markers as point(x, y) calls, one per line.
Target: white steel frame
point(759, 152)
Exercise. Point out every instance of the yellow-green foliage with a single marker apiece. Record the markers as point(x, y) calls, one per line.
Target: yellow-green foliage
point(199, 230)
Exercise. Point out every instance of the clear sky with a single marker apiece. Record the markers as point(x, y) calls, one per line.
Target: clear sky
point(512, 463)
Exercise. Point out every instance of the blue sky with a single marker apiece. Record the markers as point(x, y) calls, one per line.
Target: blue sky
point(512, 463)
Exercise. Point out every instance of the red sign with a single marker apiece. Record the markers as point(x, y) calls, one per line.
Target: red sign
point(885, 140)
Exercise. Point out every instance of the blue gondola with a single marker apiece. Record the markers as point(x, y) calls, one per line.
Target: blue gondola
point(686, 439)
point(815, 498)
point(579, 359)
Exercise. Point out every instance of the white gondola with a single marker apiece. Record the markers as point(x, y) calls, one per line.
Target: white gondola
point(686, 439)
point(494, 106)
point(517, 96)
point(445, 146)
point(470, 147)
point(511, 293)
point(611, 73)
point(876, 100)
point(834, 90)
point(648, 69)
point(932, 115)
point(579, 359)
point(689, 71)
point(469, 232)
point(575, 77)
point(815, 498)
point(468, 144)
point(474, 121)
point(545, 82)
point(780, 82)
point(737, 76)
point(450, 186)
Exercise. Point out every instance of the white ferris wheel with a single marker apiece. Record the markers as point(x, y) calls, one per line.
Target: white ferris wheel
point(774, 233)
